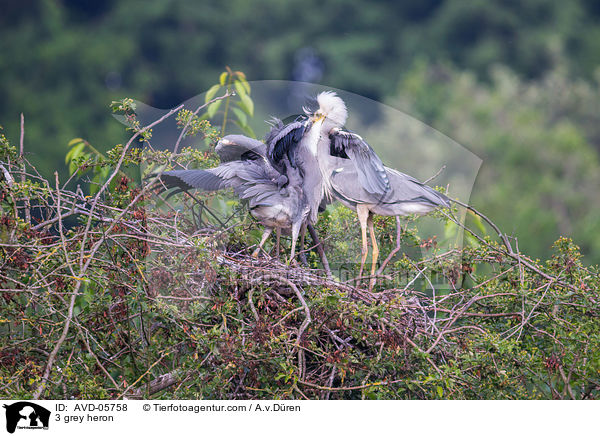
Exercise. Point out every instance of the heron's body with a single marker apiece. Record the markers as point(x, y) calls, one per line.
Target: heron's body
point(354, 175)
point(275, 195)
point(295, 144)
point(406, 195)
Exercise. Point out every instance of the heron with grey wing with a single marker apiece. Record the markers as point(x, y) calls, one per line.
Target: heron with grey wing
point(274, 193)
point(348, 170)
point(345, 158)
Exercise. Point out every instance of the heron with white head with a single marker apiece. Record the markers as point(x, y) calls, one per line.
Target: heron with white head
point(345, 158)
point(351, 172)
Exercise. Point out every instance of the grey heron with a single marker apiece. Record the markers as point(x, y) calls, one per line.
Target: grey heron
point(275, 193)
point(351, 172)
point(380, 190)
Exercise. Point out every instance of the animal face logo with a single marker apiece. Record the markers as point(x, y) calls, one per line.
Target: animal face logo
point(26, 415)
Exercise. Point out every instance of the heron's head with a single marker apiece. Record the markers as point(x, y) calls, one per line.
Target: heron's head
point(332, 110)
point(238, 141)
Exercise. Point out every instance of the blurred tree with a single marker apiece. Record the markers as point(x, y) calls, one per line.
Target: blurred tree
point(63, 61)
point(541, 171)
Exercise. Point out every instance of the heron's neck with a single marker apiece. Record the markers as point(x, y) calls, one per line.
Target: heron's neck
point(311, 140)
point(308, 160)
point(323, 159)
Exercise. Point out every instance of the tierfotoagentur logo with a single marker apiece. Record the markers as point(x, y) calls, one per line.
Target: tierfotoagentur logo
point(26, 416)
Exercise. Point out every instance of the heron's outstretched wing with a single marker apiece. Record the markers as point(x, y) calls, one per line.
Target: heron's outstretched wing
point(283, 139)
point(239, 147)
point(370, 170)
point(192, 179)
point(404, 189)
point(250, 181)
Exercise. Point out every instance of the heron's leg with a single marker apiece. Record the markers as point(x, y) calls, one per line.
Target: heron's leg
point(295, 232)
point(265, 235)
point(363, 216)
point(278, 234)
point(320, 250)
point(301, 253)
point(375, 251)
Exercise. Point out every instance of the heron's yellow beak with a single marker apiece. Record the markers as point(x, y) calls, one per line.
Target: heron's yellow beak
point(318, 118)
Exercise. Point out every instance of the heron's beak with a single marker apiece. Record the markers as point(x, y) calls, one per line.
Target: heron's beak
point(317, 118)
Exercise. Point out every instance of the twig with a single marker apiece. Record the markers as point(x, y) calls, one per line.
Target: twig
point(160, 383)
point(487, 220)
point(251, 303)
point(330, 382)
point(227, 94)
point(396, 248)
point(162, 356)
point(22, 157)
point(74, 294)
point(307, 319)
point(320, 251)
point(352, 388)
point(435, 175)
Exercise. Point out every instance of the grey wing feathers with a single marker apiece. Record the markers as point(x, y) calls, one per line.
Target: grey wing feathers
point(283, 139)
point(404, 188)
point(370, 170)
point(190, 179)
point(407, 188)
point(250, 180)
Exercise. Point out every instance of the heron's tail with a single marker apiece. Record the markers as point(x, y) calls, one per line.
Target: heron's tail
point(437, 198)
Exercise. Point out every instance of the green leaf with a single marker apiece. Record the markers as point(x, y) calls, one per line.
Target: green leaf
point(74, 141)
point(243, 119)
point(245, 83)
point(223, 78)
point(212, 108)
point(239, 88)
point(211, 93)
point(440, 391)
point(75, 152)
point(331, 299)
point(72, 167)
point(247, 104)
